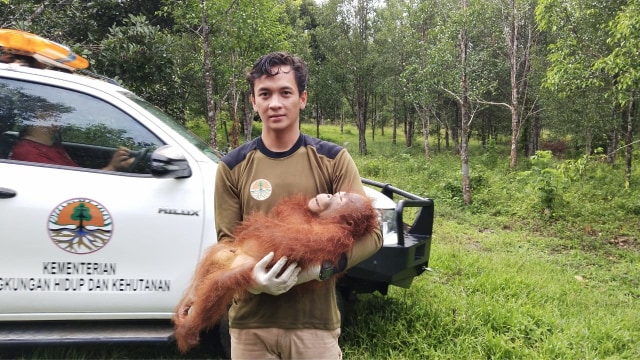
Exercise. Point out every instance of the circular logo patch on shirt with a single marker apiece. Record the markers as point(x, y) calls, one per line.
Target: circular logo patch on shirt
point(260, 189)
point(80, 226)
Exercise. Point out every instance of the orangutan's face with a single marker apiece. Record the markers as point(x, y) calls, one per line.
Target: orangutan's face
point(327, 204)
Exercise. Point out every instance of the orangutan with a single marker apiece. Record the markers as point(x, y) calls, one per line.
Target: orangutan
point(306, 231)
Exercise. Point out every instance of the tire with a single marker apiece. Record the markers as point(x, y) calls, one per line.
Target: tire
point(225, 339)
point(215, 342)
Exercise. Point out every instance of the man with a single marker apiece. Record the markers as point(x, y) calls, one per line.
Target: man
point(38, 144)
point(38, 141)
point(275, 323)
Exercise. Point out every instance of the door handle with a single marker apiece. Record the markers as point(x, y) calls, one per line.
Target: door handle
point(7, 193)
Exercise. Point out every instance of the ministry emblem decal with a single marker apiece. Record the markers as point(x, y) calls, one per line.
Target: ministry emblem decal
point(80, 226)
point(260, 189)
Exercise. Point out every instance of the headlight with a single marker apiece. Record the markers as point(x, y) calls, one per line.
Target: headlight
point(387, 218)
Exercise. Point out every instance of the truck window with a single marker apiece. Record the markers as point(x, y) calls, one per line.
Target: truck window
point(87, 129)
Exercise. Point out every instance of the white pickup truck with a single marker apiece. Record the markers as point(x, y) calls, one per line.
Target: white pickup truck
point(90, 255)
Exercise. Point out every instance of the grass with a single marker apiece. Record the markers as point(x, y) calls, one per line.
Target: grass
point(513, 276)
point(501, 295)
point(543, 265)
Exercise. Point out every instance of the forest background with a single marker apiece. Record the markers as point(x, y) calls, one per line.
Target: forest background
point(555, 75)
point(518, 117)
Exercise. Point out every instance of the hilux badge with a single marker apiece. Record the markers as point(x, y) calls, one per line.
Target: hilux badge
point(80, 226)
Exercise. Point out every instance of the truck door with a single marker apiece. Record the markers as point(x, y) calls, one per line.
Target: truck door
point(80, 239)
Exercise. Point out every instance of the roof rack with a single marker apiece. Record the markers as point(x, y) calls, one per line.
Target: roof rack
point(94, 75)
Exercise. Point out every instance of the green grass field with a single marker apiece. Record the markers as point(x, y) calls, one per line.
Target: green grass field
point(503, 295)
point(544, 264)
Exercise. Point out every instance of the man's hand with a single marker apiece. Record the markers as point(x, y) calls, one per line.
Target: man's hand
point(311, 273)
point(268, 281)
point(121, 160)
point(323, 271)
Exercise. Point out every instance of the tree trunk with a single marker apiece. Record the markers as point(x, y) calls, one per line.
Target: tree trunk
point(426, 122)
point(613, 142)
point(484, 132)
point(409, 124)
point(446, 137)
point(520, 66)
point(317, 108)
point(588, 138)
point(455, 132)
point(374, 118)
point(533, 144)
point(382, 123)
point(513, 64)
point(247, 116)
point(208, 82)
point(361, 119)
point(233, 111)
point(464, 113)
point(394, 130)
point(439, 136)
point(408, 130)
point(628, 151)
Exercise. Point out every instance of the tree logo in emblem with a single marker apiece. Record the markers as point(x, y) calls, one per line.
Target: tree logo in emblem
point(260, 189)
point(80, 226)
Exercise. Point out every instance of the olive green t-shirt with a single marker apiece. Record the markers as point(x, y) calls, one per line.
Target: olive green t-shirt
point(253, 178)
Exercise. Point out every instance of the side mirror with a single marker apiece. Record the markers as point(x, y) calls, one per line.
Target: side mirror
point(169, 162)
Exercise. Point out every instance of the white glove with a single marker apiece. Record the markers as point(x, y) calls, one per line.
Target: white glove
point(268, 281)
point(312, 273)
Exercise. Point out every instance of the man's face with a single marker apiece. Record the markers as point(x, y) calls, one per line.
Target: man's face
point(277, 101)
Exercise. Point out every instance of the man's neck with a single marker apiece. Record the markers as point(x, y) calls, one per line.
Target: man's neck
point(280, 141)
point(40, 135)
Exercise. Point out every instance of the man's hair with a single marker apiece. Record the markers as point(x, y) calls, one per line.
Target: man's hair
point(270, 65)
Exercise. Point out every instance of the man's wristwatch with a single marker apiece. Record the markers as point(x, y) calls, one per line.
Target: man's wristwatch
point(326, 270)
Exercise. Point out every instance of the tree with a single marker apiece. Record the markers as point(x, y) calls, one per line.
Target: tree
point(593, 54)
point(344, 37)
point(327, 80)
point(464, 109)
point(521, 36)
point(427, 60)
point(127, 47)
point(624, 66)
point(238, 32)
point(138, 55)
point(212, 115)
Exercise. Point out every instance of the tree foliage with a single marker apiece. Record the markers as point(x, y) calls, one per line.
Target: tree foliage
point(141, 57)
point(623, 62)
point(377, 64)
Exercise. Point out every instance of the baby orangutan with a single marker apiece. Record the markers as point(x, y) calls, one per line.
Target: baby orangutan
point(306, 231)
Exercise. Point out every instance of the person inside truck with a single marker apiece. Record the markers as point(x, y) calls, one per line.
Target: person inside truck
point(38, 142)
point(281, 162)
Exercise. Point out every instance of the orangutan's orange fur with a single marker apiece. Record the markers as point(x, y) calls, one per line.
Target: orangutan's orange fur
point(290, 230)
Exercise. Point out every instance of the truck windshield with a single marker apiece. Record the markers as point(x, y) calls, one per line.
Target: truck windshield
point(193, 138)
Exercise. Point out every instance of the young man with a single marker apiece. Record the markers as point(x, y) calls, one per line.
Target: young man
point(275, 323)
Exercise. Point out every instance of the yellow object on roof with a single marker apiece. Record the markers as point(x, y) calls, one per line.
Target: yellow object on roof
point(43, 50)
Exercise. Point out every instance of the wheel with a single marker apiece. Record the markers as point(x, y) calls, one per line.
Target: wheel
point(224, 338)
point(216, 341)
